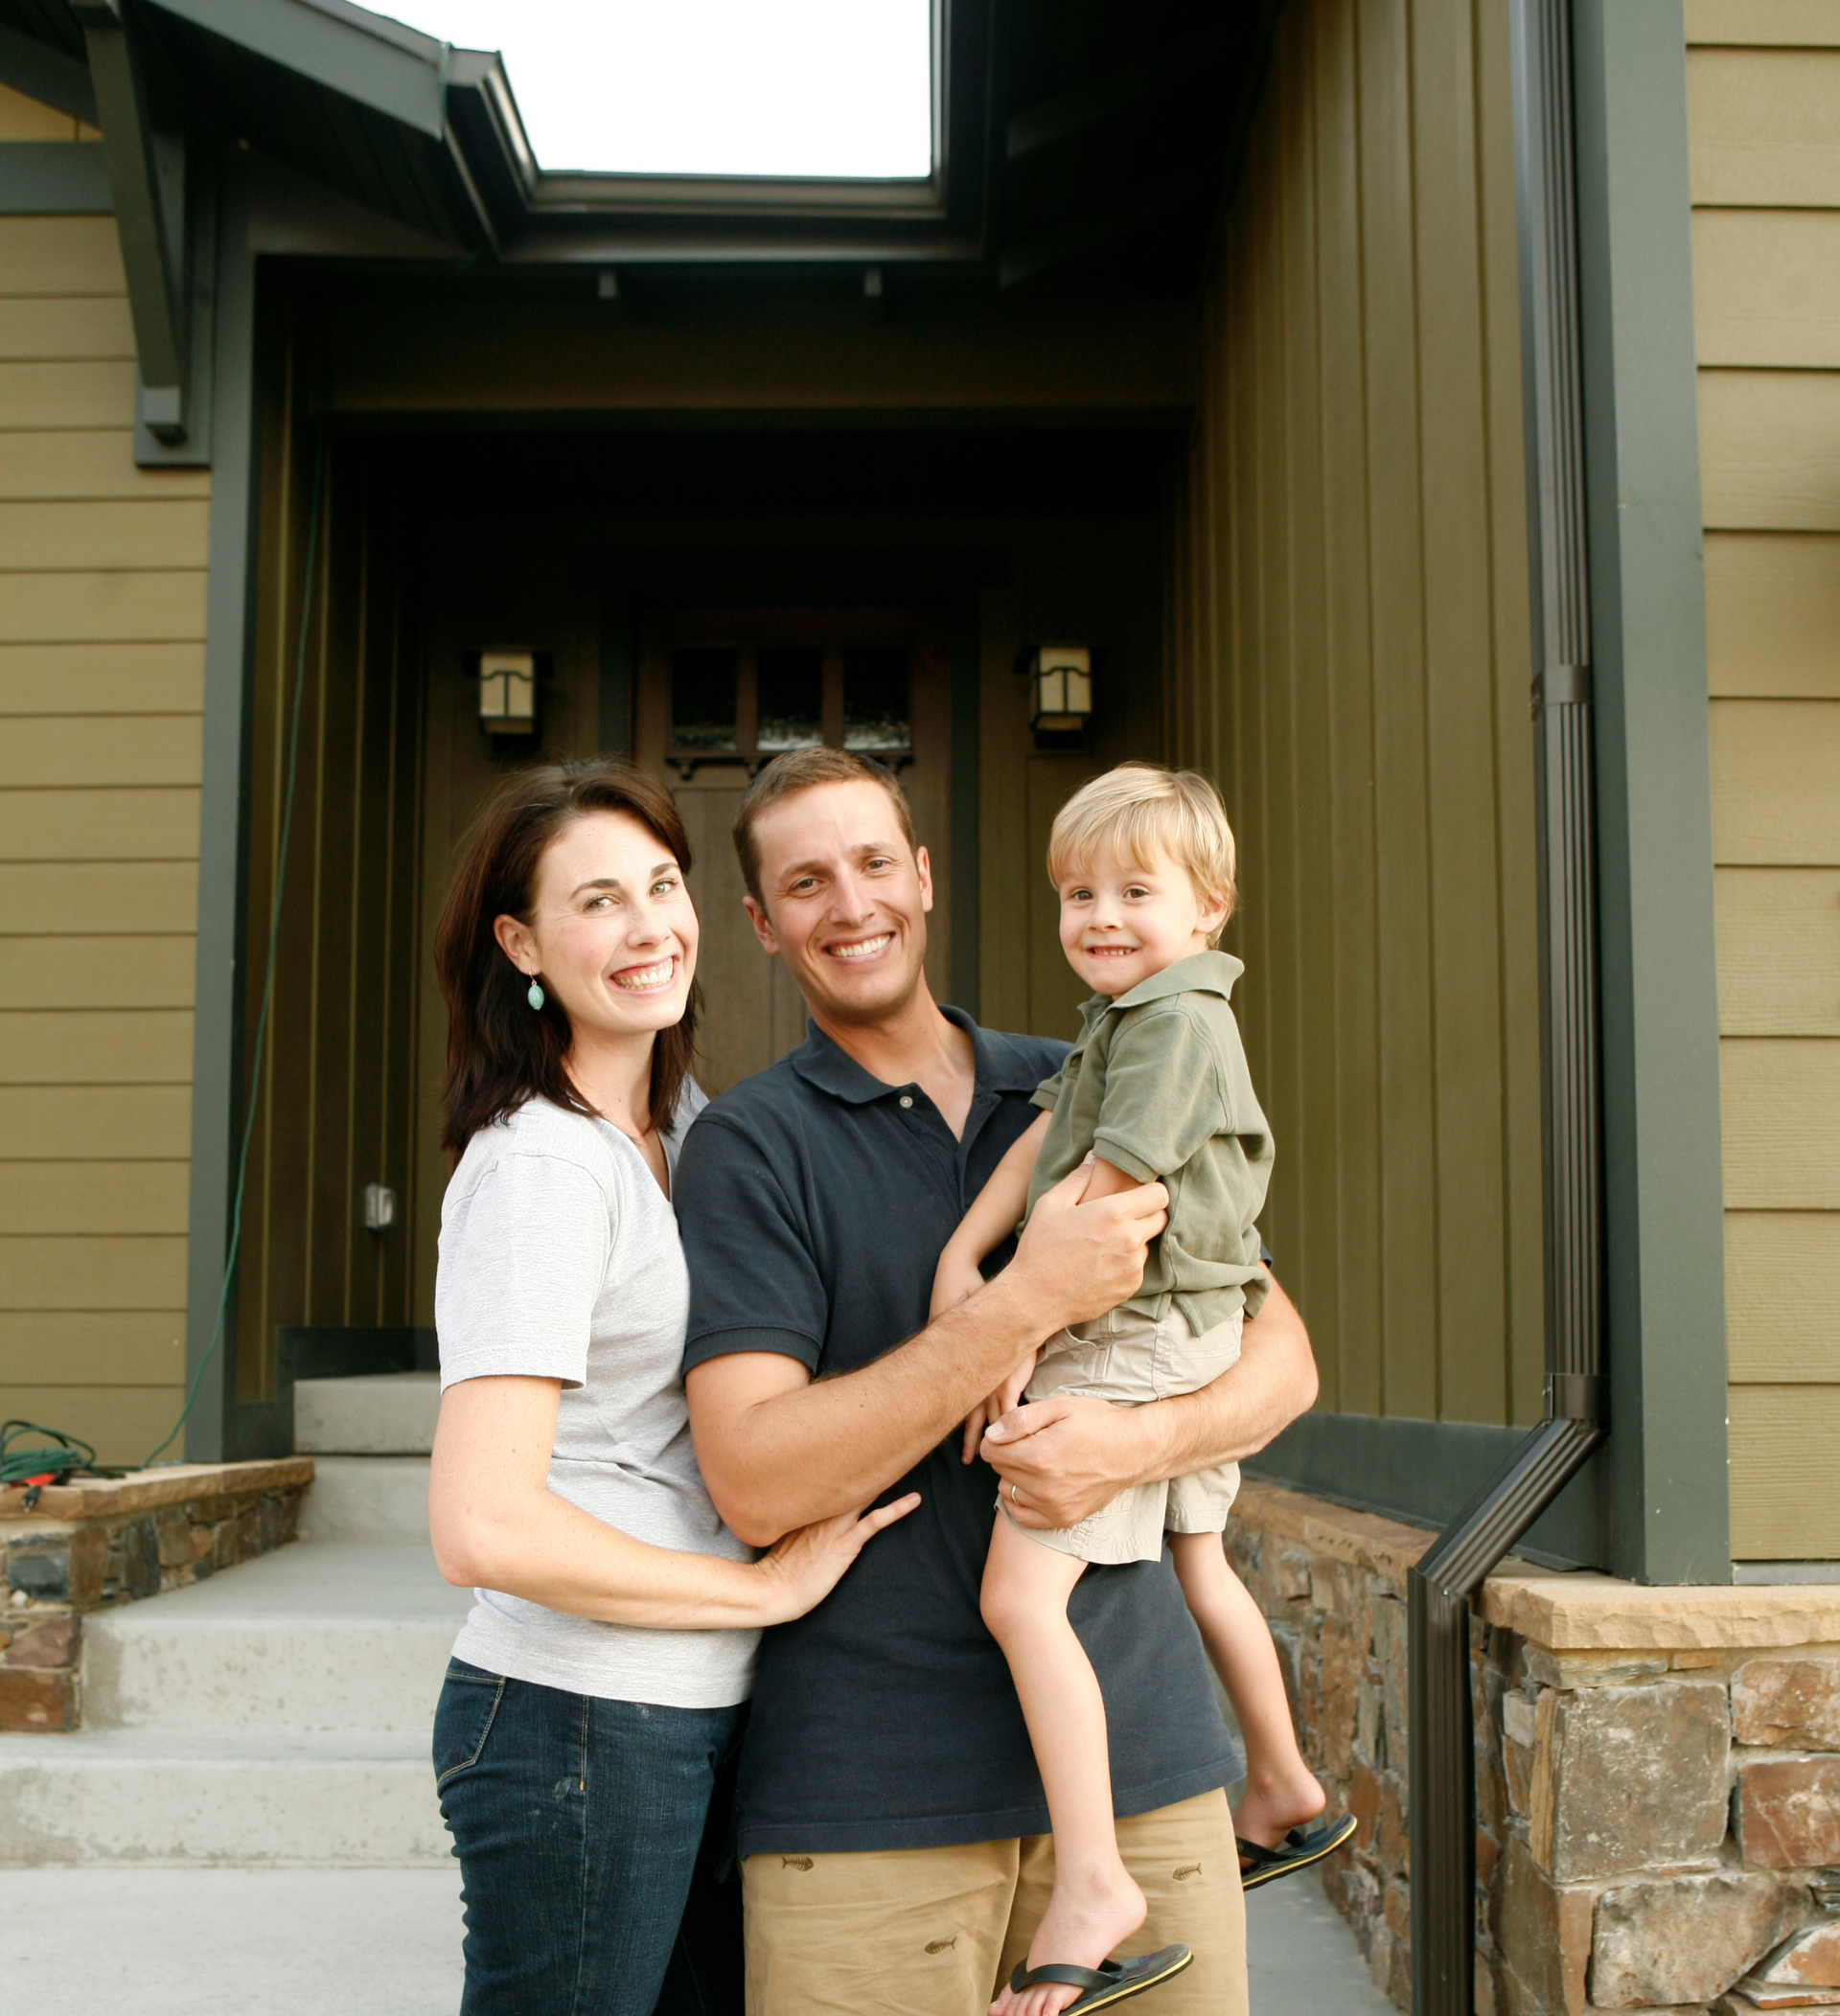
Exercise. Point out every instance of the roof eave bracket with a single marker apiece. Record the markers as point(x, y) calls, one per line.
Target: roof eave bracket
point(165, 222)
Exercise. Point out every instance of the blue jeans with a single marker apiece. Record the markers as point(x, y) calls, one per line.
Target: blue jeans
point(591, 1836)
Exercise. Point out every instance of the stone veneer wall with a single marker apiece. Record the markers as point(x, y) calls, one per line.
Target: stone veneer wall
point(95, 1543)
point(1658, 1771)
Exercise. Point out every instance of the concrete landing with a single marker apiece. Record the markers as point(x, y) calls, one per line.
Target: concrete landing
point(230, 1942)
point(384, 1414)
point(1303, 1957)
point(386, 1942)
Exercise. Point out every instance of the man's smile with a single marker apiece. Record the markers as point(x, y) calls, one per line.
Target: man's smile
point(860, 947)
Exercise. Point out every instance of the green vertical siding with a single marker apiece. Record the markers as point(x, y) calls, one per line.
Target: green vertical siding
point(1351, 666)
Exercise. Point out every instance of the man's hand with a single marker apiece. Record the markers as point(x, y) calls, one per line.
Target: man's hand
point(1058, 1458)
point(1067, 1456)
point(995, 1407)
point(1075, 1261)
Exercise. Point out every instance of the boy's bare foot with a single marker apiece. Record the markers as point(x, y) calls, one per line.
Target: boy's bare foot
point(1272, 1807)
point(1079, 1929)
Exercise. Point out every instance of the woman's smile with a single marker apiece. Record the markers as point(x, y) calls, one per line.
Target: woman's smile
point(658, 978)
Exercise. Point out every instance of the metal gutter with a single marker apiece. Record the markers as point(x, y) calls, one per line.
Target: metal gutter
point(1440, 1587)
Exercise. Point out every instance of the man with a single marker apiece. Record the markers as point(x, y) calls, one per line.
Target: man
point(892, 1826)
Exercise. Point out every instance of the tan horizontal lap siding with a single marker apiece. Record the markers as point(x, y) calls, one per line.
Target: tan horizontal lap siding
point(1763, 81)
point(101, 662)
point(1350, 656)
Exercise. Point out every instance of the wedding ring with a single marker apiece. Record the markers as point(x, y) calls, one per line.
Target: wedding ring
point(1012, 1494)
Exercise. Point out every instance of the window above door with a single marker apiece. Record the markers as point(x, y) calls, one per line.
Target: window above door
point(744, 688)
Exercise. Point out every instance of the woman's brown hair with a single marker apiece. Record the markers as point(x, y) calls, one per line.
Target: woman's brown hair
point(500, 1054)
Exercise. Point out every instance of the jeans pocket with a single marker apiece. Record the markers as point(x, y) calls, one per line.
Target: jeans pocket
point(463, 1719)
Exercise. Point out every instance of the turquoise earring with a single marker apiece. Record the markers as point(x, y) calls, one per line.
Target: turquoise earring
point(535, 995)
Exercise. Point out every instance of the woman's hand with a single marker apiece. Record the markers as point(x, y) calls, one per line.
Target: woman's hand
point(804, 1568)
point(957, 1279)
point(995, 1407)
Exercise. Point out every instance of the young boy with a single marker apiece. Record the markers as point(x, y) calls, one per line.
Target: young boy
point(1157, 1088)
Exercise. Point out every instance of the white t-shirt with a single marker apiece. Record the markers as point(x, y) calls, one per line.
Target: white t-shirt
point(560, 1259)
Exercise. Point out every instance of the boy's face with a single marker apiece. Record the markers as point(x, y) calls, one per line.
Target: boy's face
point(1123, 921)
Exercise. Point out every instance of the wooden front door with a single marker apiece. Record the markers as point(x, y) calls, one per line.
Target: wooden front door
point(720, 692)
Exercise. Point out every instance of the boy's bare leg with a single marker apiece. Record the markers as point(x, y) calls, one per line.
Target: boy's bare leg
point(1095, 1903)
point(1281, 1792)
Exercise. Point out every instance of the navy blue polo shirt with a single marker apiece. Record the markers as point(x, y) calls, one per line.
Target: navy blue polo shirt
point(813, 1202)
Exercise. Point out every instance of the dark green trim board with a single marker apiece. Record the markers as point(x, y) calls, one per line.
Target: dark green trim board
point(52, 178)
point(217, 1059)
point(355, 52)
point(52, 78)
point(1425, 1471)
point(1664, 1203)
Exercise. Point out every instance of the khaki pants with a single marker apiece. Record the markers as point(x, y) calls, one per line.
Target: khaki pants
point(932, 1932)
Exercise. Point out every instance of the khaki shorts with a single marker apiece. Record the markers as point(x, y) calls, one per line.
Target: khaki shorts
point(932, 1932)
point(1129, 1359)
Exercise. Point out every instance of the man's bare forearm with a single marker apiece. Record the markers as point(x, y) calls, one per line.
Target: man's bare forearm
point(778, 1460)
point(1241, 1412)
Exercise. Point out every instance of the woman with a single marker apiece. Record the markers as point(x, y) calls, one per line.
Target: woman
point(599, 1682)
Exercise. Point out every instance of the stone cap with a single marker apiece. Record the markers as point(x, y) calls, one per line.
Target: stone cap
point(1579, 1611)
point(1364, 1540)
point(1592, 1613)
point(142, 1490)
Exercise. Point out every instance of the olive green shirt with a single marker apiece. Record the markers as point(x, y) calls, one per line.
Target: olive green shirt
point(1157, 1086)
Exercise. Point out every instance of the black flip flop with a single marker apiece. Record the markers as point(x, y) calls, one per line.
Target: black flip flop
point(1300, 1847)
point(1110, 1982)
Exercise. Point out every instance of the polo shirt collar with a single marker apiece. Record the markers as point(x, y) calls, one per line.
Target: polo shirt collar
point(998, 1065)
point(1202, 973)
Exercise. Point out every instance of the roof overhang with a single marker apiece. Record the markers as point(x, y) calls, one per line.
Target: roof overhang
point(1062, 128)
point(1080, 146)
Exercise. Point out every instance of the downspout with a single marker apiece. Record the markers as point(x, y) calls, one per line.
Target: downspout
point(1440, 1587)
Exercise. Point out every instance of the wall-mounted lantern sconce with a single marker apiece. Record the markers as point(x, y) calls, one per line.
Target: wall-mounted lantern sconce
point(1060, 688)
point(508, 692)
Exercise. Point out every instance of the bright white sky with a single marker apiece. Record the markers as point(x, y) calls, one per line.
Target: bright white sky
point(709, 87)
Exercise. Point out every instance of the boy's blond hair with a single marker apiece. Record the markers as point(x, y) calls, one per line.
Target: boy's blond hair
point(1135, 810)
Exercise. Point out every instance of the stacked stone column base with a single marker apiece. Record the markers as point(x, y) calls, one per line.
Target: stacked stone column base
point(1658, 1771)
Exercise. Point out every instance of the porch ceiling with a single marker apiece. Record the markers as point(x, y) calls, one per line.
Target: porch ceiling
point(1084, 146)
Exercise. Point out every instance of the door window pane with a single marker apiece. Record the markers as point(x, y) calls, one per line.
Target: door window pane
point(791, 698)
point(875, 699)
point(702, 698)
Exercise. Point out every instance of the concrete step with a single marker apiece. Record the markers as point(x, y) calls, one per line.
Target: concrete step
point(322, 1636)
point(108, 1798)
point(367, 1499)
point(381, 1414)
point(233, 1943)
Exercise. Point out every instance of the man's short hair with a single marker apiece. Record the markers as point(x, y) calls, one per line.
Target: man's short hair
point(798, 770)
point(1136, 810)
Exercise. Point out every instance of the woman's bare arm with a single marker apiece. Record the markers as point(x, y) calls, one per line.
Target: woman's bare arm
point(496, 1524)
